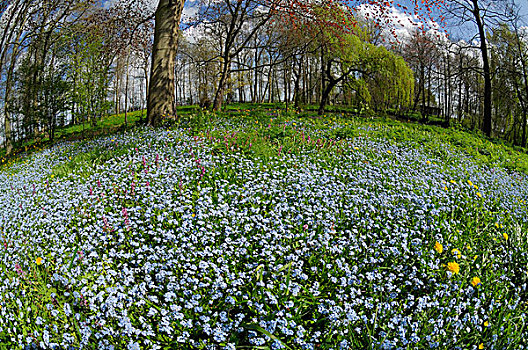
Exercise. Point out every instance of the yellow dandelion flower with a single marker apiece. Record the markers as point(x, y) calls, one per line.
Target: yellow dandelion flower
point(428, 162)
point(39, 261)
point(505, 235)
point(497, 225)
point(456, 253)
point(438, 247)
point(475, 281)
point(453, 267)
point(486, 323)
point(470, 183)
point(479, 195)
point(481, 346)
point(389, 152)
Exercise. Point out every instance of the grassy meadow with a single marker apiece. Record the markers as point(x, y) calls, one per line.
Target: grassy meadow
point(260, 229)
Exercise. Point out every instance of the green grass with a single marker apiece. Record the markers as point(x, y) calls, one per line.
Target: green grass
point(435, 139)
point(485, 151)
point(107, 125)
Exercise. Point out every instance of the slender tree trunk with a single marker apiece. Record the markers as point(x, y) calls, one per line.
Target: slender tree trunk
point(460, 89)
point(525, 87)
point(116, 86)
point(524, 120)
point(8, 128)
point(286, 88)
point(160, 100)
point(126, 91)
point(324, 99)
point(222, 84)
point(325, 95)
point(447, 74)
point(254, 97)
point(424, 116)
point(487, 113)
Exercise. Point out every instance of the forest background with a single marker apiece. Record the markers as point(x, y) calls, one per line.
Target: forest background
point(458, 62)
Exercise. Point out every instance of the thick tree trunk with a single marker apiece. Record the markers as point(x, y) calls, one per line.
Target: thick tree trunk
point(161, 88)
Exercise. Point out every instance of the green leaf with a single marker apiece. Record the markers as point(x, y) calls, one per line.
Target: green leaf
point(256, 327)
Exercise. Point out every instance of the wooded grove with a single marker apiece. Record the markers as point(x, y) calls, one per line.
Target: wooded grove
point(67, 62)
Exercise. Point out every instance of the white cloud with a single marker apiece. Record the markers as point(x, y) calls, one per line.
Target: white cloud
point(399, 25)
point(190, 10)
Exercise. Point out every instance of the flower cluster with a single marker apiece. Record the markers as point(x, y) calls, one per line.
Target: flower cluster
point(177, 242)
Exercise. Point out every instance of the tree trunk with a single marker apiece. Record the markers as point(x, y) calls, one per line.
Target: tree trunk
point(447, 76)
point(486, 121)
point(126, 91)
point(8, 128)
point(117, 98)
point(325, 96)
point(222, 84)
point(525, 86)
point(161, 88)
point(460, 90)
point(523, 137)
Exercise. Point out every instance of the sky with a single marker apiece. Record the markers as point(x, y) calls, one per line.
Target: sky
point(467, 32)
point(461, 33)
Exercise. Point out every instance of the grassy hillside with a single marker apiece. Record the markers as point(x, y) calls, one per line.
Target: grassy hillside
point(263, 230)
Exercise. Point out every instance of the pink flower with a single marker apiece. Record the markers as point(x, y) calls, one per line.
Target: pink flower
point(106, 226)
point(125, 215)
point(19, 270)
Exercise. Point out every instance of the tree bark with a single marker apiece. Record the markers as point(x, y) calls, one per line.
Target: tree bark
point(160, 101)
point(222, 84)
point(126, 90)
point(486, 121)
point(324, 97)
